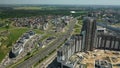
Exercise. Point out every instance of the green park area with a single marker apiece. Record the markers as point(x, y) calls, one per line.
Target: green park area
point(9, 35)
point(8, 38)
point(28, 8)
point(77, 27)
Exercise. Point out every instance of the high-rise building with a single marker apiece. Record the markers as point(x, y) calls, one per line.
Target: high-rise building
point(89, 33)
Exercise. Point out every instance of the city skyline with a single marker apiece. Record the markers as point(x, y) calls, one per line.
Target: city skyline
point(70, 2)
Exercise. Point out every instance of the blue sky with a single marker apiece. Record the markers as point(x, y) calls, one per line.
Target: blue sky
point(77, 2)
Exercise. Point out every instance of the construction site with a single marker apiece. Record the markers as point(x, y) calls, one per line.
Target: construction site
point(90, 58)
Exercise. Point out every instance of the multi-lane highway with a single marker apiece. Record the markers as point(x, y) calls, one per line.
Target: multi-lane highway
point(34, 59)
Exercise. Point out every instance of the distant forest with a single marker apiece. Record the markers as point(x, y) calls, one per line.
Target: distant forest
point(10, 12)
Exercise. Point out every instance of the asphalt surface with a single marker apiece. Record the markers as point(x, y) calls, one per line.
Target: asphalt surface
point(34, 59)
point(47, 61)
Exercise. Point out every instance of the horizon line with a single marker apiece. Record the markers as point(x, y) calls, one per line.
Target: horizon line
point(65, 4)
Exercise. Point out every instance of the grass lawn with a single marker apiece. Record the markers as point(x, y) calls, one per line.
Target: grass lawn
point(80, 22)
point(12, 37)
point(2, 28)
point(82, 12)
point(45, 36)
point(15, 33)
point(28, 8)
point(77, 27)
point(77, 31)
point(3, 52)
point(37, 31)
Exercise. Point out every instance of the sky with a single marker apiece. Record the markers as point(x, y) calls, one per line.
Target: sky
point(68, 2)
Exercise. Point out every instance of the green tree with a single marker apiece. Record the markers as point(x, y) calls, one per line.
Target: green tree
point(7, 24)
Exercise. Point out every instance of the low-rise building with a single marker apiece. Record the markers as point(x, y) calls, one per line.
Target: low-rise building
point(18, 47)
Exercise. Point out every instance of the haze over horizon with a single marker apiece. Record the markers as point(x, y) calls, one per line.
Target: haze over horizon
point(67, 2)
